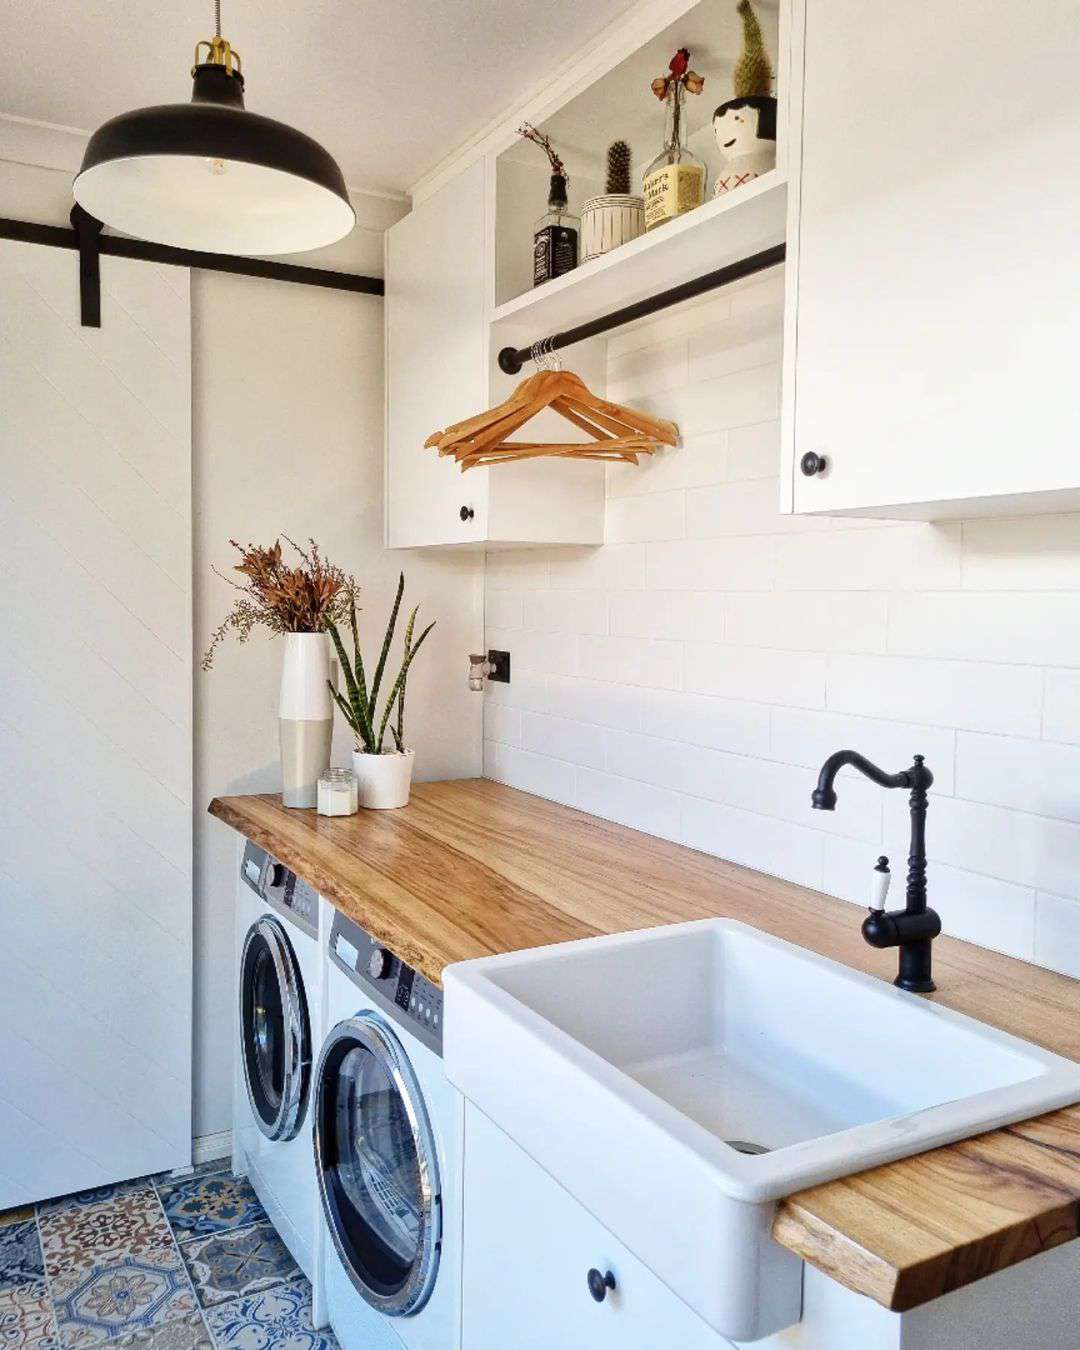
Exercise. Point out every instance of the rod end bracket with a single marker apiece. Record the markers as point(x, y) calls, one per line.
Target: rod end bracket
point(510, 361)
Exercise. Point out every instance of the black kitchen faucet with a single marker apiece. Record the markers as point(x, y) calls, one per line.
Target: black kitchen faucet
point(913, 928)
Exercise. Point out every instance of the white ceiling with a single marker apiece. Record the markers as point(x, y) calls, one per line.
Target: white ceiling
point(389, 88)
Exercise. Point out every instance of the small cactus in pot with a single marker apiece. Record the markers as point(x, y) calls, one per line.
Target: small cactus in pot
point(618, 215)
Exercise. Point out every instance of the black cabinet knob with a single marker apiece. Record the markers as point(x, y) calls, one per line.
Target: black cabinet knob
point(812, 463)
point(466, 513)
point(600, 1284)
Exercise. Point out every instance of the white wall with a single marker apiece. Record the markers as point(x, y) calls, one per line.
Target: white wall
point(689, 678)
point(287, 437)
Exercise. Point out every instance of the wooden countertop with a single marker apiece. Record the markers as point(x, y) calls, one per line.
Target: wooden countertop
point(472, 868)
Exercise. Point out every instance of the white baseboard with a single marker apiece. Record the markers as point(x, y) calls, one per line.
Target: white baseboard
point(209, 1147)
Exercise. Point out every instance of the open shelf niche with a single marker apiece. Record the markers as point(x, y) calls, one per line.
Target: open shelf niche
point(620, 105)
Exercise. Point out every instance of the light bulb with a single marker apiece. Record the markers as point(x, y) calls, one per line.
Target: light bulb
point(216, 167)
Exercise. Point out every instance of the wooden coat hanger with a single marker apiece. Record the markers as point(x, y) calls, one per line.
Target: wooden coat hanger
point(616, 432)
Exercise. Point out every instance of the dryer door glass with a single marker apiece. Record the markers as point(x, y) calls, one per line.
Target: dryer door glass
point(377, 1165)
point(274, 1031)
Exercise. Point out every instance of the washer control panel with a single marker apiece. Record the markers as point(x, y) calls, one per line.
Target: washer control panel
point(410, 999)
point(289, 894)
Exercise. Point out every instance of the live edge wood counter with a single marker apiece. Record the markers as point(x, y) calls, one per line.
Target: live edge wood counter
point(472, 868)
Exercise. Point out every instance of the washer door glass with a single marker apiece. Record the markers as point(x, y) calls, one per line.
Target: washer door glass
point(377, 1165)
point(274, 1030)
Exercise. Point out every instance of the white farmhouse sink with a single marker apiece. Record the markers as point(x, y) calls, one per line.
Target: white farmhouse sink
point(635, 1068)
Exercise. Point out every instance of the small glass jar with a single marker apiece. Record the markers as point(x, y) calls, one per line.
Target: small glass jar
point(337, 793)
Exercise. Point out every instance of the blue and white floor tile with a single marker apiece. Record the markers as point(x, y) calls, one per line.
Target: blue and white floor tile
point(157, 1263)
point(232, 1264)
point(276, 1319)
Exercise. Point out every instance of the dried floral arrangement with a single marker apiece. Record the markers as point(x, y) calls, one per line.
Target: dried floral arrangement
point(679, 72)
point(529, 133)
point(361, 706)
point(304, 598)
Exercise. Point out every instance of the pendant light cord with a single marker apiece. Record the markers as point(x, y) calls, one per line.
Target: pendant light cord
point(217, 18)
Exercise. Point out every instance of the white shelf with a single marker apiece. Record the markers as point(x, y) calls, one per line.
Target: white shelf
point(718, 233)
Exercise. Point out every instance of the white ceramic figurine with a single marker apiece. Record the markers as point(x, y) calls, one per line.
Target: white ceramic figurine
point(745, 126)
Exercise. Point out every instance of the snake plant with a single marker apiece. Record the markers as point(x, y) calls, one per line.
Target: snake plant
point(360, 705)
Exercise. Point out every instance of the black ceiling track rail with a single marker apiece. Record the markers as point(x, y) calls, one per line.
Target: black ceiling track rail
point(511, 359)
point(87, 237)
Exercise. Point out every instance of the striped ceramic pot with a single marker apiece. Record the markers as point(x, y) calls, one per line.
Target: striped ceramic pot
point(609, 221)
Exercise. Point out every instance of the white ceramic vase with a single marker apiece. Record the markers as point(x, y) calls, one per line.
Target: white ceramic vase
point(384, 780)
point(305, 717)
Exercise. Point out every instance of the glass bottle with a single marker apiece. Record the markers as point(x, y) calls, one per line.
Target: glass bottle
point(675, 181)
point(555, 240)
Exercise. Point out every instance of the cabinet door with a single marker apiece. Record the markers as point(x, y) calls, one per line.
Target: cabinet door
point(436, 356)
point(528, 1250)
point(936, 258)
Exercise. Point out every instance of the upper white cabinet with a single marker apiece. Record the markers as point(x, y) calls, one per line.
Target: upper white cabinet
point(934, 263)
point(436, 360)
point(459, 273)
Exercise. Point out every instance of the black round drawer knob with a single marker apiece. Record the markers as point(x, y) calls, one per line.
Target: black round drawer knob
point(812, 463)
point(466, 513)
point(600, 1284)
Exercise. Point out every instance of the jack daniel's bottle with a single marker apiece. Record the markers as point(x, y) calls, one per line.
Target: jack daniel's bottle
point(555, 242)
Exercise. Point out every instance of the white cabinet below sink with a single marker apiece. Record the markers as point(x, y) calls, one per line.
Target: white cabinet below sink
point(528, 1250)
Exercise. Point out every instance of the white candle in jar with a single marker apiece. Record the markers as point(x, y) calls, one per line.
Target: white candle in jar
point(337, 793)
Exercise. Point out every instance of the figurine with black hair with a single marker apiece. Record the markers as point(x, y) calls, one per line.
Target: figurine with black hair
point(745, 126)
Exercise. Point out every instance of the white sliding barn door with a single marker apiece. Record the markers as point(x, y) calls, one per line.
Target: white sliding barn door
point(95, 725)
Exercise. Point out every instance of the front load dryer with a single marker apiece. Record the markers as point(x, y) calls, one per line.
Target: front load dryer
point(279, 970)
point(388, 1148)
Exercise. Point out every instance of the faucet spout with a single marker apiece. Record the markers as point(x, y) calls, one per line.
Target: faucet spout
point(823, 798)
point(913, 928)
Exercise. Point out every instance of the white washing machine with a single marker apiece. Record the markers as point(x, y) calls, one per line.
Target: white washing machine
point(388, 1151)
point(280, 983)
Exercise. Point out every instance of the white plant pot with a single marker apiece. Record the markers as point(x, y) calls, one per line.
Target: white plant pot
point(384, 780)
point(609, 221)
point(305, 717)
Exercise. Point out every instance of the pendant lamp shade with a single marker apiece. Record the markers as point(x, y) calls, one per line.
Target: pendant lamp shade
point(211, 176)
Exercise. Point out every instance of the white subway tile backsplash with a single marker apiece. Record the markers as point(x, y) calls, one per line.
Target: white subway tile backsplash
point(756, 675)
point(1036, 628)
point(638, 805)
point(632, 661)
point(1057, 934)
point(900, 558)
point(1034, 553)
point(574, 742)
point(679, 615)
point(565, 611)
point(689, 678)
point(715, 564)
point(1004, 699)
point(660, 515)
point(1061, 706)
point(822, 621)
point(1038, 776)
point(717, 723)
point(742, 508)
point(768, 845)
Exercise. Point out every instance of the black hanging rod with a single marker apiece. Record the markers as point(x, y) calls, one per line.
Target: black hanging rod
point(511, 359)
point(56, 236)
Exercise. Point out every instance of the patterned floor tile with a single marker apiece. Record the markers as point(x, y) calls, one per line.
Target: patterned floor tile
point(277, 1319)
point(76, 1238)
point(20, 1255)
point(97, 1195)
point(18, 1215)
point(122, 1293)
point(211, 1202)
point(228, 1265)
point(26, 1318)
point(187, 1333)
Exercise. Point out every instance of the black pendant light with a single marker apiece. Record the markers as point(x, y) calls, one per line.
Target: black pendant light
point(209, 175)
